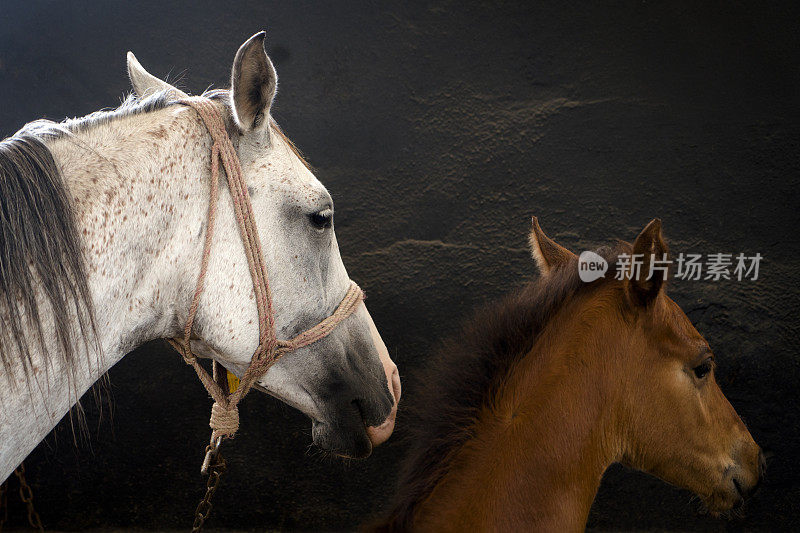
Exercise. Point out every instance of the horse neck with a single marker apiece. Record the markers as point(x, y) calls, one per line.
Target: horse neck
point(133, 185)
point(539, 450)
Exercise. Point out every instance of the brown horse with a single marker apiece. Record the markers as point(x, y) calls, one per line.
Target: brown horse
point(527, 407)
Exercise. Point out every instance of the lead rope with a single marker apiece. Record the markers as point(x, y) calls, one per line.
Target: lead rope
point(214, 463)
point(224, 419)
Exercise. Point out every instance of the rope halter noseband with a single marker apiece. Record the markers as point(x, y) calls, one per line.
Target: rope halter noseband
point(224, 413)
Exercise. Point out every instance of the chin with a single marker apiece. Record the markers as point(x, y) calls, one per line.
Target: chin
point(722, 504)
point(346, 444)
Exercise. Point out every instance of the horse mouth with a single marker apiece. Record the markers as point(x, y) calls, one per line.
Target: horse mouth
point(725, 503)
point(740, 492)
point(348, 435)
point(343, 431)
point(350, 443)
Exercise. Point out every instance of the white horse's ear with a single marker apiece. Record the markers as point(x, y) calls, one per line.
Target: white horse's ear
point(145, 83)
point(253, 84)
point(547, 253)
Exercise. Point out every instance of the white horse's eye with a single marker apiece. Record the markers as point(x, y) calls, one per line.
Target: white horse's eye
point(322, 219)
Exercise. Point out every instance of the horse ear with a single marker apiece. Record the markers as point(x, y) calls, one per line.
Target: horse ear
point(253, 84)
point(650, 246)
point(145, 83)
point(545, 251)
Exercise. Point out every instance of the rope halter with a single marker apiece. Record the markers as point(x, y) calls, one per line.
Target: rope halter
point(224, 413)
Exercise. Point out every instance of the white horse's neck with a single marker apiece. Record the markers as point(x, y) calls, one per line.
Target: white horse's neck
point(140, 203)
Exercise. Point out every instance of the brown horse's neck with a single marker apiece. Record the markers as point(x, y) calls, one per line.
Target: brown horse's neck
point(539, 451)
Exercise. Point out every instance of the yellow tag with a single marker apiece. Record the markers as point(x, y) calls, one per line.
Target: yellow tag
point(233, 382)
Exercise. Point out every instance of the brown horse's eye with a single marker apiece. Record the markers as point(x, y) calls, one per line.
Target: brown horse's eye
point(703, 369)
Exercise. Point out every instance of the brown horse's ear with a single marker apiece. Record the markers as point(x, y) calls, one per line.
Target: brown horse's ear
point(648, 247)
point(545, 251)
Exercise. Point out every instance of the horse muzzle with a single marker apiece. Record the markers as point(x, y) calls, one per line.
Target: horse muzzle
point(356, 422)
point(380, 433)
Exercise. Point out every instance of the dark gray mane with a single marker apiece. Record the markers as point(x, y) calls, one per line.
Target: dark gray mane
point(132, 105)
point(40, 248)
point(39, 251)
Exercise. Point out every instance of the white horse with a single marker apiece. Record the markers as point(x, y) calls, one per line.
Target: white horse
point(102, 222)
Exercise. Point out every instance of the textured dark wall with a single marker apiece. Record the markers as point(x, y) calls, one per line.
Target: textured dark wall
point(439, 130)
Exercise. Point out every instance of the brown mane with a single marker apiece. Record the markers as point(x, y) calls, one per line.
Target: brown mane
point(466, 372)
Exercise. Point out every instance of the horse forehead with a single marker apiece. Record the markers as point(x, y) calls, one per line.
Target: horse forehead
point(285, 172)
point(299, 186)
point(676, 328)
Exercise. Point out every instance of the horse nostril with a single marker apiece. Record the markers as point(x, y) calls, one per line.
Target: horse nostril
point(374, 411)
point(749, 489)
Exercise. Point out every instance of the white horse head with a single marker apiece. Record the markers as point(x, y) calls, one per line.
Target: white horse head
point(346, 383)
point(138, 180)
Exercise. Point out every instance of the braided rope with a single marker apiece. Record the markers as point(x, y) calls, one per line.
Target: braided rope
point(224, 420)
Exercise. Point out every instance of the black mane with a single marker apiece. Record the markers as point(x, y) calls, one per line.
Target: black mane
point(466, 373)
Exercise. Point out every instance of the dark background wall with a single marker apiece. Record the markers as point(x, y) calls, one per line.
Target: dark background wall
point(440, 129)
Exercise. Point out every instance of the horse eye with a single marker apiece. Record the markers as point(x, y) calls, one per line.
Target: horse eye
point(322, 219)
point(703, 369)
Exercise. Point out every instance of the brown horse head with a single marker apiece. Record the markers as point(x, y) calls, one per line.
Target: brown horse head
point(524, 409)
point(673, 420)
